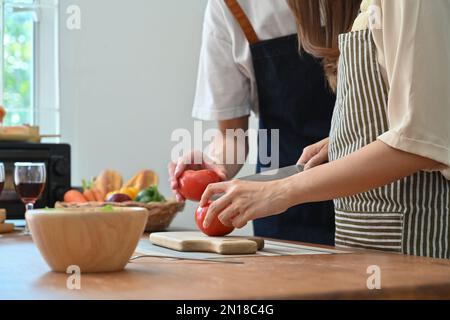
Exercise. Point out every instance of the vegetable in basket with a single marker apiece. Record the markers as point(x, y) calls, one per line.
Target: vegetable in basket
point(91, 193)
point(151, 194)
point(131, 192)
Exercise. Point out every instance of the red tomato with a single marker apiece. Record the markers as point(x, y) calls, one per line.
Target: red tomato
point(194, 183)
point(216, 229)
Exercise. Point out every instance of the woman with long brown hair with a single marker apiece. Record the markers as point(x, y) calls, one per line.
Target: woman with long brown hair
point(389, 146)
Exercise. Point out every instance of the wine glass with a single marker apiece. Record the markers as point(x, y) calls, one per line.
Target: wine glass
point(2, 180)
point(29, 179)
point(2, 177)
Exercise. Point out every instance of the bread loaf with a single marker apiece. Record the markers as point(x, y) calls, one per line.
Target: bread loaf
point(108, 181)
point(6, 227)
point(2, 215)
point(143, 180)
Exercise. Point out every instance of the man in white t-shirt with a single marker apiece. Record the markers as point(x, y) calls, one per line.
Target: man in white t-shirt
point(250, 62)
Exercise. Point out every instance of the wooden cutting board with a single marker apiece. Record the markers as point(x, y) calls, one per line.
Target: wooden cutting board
point(198, 242)
point(2, 215)
point(6, 228)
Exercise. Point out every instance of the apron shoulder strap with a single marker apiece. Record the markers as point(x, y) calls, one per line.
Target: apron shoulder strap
point(242, 20)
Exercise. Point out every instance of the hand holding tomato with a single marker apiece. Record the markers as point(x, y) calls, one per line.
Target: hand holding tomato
point(244, 201)
point(194, 183)
point(187, 163)
point(216, 228)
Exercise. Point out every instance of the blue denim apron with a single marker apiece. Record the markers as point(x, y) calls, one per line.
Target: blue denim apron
point(295, 99)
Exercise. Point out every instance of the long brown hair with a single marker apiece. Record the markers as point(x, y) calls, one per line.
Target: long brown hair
point(319, 24)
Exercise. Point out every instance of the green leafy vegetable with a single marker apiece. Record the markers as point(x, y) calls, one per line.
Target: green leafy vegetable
point(87, 184)
point(151, 194)
point(47, 209)
point(108, 209)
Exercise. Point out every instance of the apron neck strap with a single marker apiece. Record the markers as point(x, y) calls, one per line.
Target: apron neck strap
point(242, 20)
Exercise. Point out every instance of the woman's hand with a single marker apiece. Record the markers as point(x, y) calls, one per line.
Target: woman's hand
point(188, 162)
point(315, 155)
point(243, 201)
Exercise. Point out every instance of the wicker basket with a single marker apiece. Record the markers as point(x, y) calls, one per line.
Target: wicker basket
point(160, 215)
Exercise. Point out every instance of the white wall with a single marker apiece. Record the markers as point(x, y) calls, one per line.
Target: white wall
point(127, 81)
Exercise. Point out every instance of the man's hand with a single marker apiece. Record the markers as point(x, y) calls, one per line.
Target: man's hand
point(188, 162)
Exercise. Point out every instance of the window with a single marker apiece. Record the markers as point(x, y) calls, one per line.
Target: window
point(29, 87)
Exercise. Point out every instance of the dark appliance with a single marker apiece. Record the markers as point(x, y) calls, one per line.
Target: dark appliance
point(58, 165)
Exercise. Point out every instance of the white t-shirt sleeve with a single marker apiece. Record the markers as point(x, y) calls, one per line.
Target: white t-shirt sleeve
point(223, 90)
point(416, 49)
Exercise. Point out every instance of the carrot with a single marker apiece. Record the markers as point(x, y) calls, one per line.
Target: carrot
point(74, 196)
point(98, 195)
point(89, 195)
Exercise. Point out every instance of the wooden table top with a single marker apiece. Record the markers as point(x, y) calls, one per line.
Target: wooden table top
point(25, 275)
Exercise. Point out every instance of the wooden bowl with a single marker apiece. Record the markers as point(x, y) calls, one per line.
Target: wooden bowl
point(91, 239)
point(160, 214)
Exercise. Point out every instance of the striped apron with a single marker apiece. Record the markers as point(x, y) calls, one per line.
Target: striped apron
point(409, 216)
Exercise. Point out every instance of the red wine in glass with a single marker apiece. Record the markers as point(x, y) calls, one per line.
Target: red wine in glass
point(2, 177)
point(29, 180)
point(30, 192)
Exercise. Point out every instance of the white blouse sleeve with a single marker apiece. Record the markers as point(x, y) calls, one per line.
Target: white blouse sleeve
point(223, 90)
point(415, 44)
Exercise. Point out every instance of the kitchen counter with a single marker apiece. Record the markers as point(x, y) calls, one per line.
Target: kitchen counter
point(24, 275)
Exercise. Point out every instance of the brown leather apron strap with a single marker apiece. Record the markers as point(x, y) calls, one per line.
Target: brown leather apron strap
point(243, 20)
